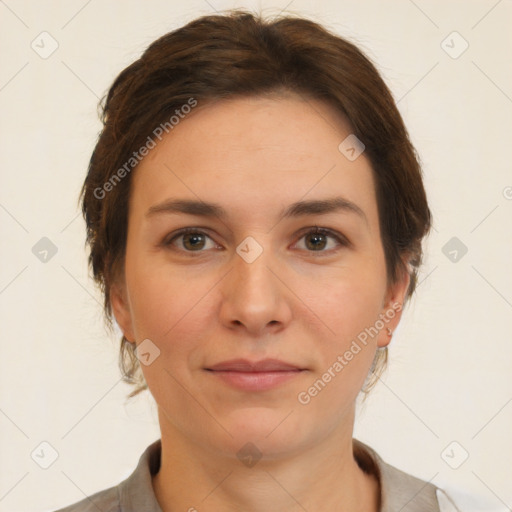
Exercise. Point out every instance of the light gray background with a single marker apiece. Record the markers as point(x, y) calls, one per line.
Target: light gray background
point(451, 359)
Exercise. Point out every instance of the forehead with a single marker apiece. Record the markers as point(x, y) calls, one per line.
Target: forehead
point(253, 152)
point(291, 126)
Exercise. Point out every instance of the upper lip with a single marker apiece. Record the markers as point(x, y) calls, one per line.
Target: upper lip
point(243, 365)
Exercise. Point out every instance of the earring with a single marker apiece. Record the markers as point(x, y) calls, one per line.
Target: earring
point(390, 332)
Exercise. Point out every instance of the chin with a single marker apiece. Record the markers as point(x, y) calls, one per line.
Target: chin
point(272, 431)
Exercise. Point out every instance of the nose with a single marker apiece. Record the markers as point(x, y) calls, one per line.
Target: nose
point(255, 297)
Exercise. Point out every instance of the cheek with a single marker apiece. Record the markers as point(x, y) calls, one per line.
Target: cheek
point(170, 309)
point(345, 354)
point(350, 308)
point(347, 303)
point(154, 304)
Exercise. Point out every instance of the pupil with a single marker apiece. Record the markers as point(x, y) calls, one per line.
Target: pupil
point(317, 237)
point(318, 240)
point(195, 237)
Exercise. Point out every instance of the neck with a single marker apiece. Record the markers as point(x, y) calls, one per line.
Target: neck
point(323, 477)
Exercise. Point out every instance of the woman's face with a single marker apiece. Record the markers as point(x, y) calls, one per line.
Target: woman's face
point(255, 284)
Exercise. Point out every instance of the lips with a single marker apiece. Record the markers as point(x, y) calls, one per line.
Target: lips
point(245, 366)
point(255, 376)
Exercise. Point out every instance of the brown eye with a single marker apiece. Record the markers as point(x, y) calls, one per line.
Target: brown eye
point(317, 239)
point(193, 240)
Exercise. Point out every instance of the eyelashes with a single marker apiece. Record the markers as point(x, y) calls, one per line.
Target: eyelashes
point(196, 236)
point(325, 233)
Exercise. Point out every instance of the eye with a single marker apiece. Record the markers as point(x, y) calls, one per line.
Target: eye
point(193, 239)
point(316, 239)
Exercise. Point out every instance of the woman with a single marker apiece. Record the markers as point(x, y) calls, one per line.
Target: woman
point(255, 212)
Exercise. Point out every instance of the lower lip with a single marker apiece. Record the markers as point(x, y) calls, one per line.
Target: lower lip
point(256, 381)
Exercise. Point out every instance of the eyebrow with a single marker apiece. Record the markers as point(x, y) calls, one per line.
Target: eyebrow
point(297, 209)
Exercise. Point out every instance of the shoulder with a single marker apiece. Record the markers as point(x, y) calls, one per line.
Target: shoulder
point(400, 490)
point(132, 495)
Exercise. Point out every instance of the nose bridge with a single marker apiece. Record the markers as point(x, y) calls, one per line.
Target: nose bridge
point(252, 276)
point(253, 295)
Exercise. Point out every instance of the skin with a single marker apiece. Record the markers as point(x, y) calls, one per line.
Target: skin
point(201, 303)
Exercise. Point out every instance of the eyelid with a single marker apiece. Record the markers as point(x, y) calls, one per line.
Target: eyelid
point(339, 237)
point(169, 239)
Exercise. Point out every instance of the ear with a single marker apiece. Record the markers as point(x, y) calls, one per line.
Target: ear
point(121, 309)
point(393, 307)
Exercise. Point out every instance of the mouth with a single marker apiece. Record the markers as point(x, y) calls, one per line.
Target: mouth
point(255, 376)
point(265, 365)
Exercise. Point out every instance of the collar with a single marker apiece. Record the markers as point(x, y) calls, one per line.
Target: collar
point(399, 490)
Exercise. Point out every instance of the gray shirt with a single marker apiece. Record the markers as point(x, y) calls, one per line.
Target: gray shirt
point(399, 491)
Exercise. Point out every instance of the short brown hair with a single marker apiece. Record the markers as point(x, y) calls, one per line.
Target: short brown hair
point(239, 54)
